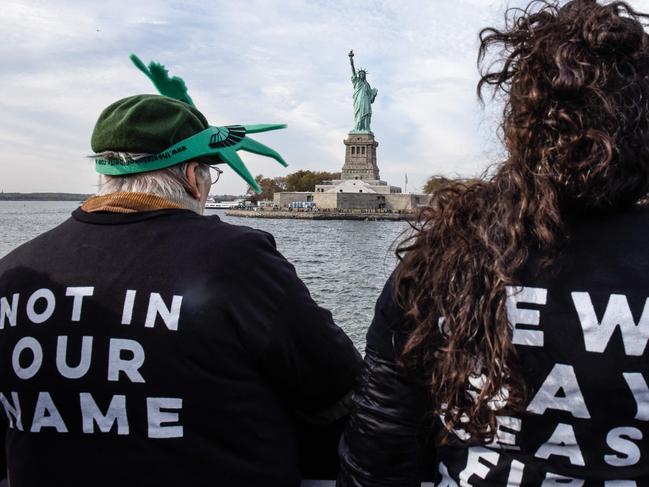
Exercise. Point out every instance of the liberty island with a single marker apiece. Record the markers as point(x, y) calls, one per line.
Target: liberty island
point(359, 193)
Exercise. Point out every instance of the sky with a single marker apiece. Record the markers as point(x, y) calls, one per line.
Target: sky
point(246, 62)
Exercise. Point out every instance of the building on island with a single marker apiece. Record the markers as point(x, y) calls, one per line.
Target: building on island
point(360, 186)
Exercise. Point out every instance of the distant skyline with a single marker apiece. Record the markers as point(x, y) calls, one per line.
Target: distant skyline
point(258, 61)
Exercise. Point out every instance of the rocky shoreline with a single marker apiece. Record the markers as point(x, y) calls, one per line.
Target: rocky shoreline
point(321, 215)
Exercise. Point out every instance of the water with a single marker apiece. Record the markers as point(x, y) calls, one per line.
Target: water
point(343, 263)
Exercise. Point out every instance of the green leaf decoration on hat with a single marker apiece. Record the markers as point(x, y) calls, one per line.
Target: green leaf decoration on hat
point(228, 140)
point(224, 142)
point(172, 87)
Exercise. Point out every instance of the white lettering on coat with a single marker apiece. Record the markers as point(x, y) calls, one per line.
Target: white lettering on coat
point(91, 414)
point(562, 443)
point(9, 311)
point(27, 343)
point(617, 314)
point(78, 293)
point(130, 366)
point(157, 307)
point(561, 378)
point(518, 316)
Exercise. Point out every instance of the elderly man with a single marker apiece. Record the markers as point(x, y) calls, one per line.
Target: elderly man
point(142, 343)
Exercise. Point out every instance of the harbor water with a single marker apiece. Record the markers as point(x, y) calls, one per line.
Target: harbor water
point(343, 263)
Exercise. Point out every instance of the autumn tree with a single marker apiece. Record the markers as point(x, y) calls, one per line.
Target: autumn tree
point(269, 186)
point(307, 180)
point(434, 182)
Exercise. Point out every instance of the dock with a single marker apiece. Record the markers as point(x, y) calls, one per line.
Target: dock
point(322, 215)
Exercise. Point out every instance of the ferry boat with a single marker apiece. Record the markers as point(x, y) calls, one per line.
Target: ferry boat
point(224, 205)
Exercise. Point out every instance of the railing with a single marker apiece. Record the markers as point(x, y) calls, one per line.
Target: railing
point(332, 483)
point(304, 483)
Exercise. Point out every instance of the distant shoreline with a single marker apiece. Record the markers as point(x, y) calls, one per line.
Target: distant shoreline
point(44, 196)
point(317, 215)
point(77, 197)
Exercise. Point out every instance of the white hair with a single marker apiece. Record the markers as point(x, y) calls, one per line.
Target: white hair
point(170, 183)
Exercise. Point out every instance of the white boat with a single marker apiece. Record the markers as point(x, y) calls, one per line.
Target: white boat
point(223, 205)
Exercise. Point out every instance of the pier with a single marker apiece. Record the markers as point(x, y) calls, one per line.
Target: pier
point(357, 215)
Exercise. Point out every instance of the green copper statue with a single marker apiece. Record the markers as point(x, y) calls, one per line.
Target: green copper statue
point(364, 96)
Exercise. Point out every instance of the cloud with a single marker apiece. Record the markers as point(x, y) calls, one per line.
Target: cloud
point(253, 62)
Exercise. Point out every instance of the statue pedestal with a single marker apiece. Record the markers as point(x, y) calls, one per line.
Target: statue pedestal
point(360, 157)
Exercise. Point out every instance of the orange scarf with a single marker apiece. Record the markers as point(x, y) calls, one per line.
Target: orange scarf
point(127, 203)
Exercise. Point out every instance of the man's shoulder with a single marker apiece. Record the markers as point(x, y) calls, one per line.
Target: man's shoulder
point(235, 248)
point(237, 235)
point(202, 231)
point(34, 246)
point(177, 224)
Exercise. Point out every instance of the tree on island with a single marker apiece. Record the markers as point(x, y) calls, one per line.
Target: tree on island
point(297, 181)
point(435, 182)
point(269, 186)
point(307, 180)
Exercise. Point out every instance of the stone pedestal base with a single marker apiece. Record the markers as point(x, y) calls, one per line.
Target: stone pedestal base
point(360, 157)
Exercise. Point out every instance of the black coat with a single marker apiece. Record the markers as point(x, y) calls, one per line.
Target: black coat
point(161, 348)
point(581, 332)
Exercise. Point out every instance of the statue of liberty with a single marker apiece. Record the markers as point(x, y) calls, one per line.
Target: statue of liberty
point(364, 96)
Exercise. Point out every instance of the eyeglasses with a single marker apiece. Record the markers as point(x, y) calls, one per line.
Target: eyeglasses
point(215, 174)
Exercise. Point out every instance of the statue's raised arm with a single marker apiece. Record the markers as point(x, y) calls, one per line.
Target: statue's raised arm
point(351, 61)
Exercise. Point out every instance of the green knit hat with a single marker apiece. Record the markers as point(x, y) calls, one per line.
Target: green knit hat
point(145, 124)
point(172, 131)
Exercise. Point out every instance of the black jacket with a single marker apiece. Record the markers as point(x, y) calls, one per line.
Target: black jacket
point(387, 435)
point(581, 333)
point(161, 348)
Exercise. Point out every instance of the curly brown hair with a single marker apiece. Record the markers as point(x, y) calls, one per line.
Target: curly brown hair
point(575, 81)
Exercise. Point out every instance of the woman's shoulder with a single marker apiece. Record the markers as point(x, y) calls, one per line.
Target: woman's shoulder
point(388, 330)
point(630, 221)
point(612, 239)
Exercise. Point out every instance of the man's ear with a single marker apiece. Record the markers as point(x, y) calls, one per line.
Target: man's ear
point(192, 174)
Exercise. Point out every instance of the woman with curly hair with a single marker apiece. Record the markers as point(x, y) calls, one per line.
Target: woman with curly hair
point(510, 345)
